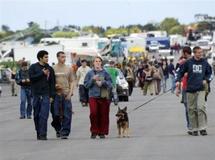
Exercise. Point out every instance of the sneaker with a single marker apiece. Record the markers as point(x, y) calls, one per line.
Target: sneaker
point(42, 137)
point(22, 117)
point(58, 134)
point(38, 136)
point(64, 137)
point(84, 104)
point(203, 132)
point(190, 133)
point(29, 117)
point(195, 133)
point(93, 136)
point(102, 136)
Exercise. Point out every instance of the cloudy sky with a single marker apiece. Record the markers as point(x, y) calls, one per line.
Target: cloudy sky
point(17, 13)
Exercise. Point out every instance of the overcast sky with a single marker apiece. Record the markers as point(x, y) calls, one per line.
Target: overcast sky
point(17, 13)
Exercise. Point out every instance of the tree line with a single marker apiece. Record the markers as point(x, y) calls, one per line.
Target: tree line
point(169, 24)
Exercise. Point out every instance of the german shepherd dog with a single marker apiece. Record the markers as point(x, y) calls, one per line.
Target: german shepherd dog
point(122, 122)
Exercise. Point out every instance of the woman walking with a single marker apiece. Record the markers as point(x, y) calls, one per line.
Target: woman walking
point(99, 84)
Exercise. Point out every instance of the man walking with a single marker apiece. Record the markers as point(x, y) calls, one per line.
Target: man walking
point(43, 89)
point(83, 91)
point(186, 54)
point(198, 75)
point(62, 103)
point(22, 79)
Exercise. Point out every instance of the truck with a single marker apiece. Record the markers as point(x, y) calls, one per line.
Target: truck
point(160, 43)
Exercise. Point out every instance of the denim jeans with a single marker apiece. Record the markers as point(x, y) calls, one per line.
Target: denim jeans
point(41, 105)
point(172, 78)
point(62, 115)
point(25, 96)
point(164, 83)
point(83, 93)
point(184, 101)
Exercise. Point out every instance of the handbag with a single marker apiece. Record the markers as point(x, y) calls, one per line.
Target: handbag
point(105, 93)
point(156, 76)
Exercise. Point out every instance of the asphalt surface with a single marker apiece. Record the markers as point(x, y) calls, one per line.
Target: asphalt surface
point(157, 132)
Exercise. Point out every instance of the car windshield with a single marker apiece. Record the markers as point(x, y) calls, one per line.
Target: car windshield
point(154, 43)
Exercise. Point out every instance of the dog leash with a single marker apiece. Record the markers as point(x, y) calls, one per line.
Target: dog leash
point(150, 100)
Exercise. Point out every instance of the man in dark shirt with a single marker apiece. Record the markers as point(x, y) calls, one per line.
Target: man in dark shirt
point(43, 89)
point(199, 74)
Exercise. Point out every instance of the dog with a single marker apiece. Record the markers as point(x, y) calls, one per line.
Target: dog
point(122, 122)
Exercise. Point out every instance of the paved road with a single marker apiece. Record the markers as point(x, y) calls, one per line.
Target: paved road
point(157, 133)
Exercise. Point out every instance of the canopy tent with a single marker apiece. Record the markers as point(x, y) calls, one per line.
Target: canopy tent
point(75, 54)
point(136, 49)
point(92, 52)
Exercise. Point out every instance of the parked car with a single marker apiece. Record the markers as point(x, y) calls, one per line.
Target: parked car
point(154, 46)
point(204, 44)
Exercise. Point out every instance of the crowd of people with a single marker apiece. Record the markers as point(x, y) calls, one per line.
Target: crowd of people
point(43, 86)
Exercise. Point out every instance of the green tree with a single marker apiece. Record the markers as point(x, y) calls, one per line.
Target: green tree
point(135, 29)
point(169, 23)
point(151, 27)
point(202, 26)
point(5, 28)
point(35, 31)
point(61, 34)
point(177, 30)
point(94, 29)
point(117, 31)
point(2, 35)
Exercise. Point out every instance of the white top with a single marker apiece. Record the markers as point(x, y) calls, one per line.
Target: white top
point(81, 73)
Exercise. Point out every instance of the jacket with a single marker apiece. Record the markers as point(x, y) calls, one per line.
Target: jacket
point(22, 75)
point(89, 83)
point(41, 84)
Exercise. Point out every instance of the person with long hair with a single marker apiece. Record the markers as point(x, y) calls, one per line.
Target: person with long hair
point(99, 84)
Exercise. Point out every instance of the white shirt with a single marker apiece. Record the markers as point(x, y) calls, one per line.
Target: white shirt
point(81, 73)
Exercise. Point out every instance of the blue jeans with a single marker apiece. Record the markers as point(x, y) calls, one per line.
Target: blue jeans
point(172, 78)
point(83, 93)
point(184, 100)
point(41, 106)
point(164, 81)
point(63, 114)
point(25, 96)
